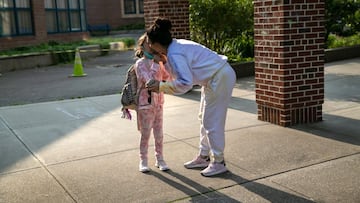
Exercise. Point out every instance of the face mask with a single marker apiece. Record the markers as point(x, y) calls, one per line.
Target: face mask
point(148, 55)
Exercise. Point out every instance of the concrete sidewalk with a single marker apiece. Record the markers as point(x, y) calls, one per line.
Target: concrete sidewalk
point(80, 150)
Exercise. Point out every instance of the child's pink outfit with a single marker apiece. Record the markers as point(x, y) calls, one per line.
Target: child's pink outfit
point(150, 111)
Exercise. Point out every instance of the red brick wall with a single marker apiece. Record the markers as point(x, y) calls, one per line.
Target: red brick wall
point(98, 12)
point(289, 60)
point(108, 12)
point(40, 33)
point(175, 10)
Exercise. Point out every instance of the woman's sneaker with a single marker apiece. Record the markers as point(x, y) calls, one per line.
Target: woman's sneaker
point(143, 166)
point(161, 165)
point(198, 162)
point(214, 168)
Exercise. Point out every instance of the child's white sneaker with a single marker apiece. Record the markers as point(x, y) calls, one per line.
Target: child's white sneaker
point(143, 166)
point(198, 162)
point(214, 168)
point(161, 165)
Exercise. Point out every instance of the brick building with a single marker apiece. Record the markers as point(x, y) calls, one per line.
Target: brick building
point(289, 55)
point(31, 22)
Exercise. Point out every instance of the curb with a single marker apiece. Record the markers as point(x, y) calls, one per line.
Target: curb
point(36, 60)
point(338, 54)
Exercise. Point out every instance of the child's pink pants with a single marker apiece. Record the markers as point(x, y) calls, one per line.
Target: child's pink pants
point(151, 119)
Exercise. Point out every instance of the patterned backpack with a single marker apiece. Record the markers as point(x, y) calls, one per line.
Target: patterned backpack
point(129, 93)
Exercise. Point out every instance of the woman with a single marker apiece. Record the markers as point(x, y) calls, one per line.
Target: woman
point(190, 63)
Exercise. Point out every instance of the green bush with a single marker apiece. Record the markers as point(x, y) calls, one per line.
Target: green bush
point(240, 48)
point(134, 26)
point(335, 41)
point(342, 17)
point(225, 26)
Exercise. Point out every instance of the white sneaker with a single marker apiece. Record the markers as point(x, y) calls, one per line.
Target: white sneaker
point(214, 168)
point(143, 166)
point(161, 165)
point(198, 162)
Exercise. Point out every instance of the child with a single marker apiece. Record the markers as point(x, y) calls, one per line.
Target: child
point(150, 106)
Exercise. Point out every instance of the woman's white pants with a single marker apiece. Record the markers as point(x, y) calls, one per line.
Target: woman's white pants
point(215, 98)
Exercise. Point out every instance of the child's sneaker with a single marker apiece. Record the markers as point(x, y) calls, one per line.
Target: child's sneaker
point(198, 162)
point(161, 165)
point(143, 166)
point(214, 168)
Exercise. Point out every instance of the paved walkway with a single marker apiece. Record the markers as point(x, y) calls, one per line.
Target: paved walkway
point(80, 150)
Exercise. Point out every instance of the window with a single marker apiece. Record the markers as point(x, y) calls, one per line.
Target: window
point(130, 6)
point(133, 8)
point(65, 16)
point(141, 6)
point(15, 18)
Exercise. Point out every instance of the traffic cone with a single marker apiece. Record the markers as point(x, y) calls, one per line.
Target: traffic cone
point(78, 68)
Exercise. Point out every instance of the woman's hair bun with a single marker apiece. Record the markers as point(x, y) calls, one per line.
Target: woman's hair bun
point(160, 32)
point(163, 24)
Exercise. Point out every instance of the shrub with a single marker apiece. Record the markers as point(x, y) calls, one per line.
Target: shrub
point(222, 24)
point(239, 48)
point(342, 17)
point(134, 26)
point(335, 41)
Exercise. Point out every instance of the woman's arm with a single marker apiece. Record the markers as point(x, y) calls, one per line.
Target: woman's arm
point(183, 78)
point(165, 76)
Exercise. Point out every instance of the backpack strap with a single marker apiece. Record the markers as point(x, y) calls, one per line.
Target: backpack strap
point(126, 114)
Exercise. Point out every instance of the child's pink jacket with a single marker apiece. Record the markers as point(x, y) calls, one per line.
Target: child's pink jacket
point(147, 69)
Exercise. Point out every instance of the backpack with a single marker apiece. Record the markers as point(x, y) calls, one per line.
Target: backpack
point(130, 93)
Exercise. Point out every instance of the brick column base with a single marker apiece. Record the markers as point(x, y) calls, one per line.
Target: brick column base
point(290, 117)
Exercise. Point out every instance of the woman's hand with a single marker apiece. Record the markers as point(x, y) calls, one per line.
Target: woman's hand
point(160, 57)
point(153, 85)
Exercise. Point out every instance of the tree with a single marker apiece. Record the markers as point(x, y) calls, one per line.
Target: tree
point(342, 17)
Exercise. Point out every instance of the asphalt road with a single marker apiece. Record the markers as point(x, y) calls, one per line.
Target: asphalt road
point(105, 75)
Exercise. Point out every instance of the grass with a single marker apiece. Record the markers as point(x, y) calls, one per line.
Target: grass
point(54, 46)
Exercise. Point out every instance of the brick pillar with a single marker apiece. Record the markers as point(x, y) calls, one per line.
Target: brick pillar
point(175, 10)
point(39, 17)
point(289, 60)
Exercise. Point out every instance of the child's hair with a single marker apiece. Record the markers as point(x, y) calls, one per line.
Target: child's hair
point(139, 49)
point(160, 32)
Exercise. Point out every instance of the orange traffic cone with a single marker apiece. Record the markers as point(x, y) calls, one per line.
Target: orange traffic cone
point(78, 68)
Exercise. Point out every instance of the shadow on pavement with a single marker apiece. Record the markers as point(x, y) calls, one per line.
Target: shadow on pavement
point(334, 127)
point(192, 189)
point(200, 193)
point(269, 193)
